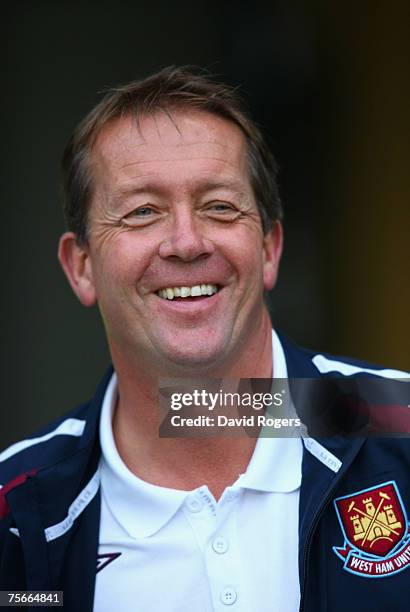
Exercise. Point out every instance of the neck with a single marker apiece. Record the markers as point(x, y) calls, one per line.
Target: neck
point(184, 463)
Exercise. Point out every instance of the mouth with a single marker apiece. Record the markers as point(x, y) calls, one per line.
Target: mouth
point(192, 293)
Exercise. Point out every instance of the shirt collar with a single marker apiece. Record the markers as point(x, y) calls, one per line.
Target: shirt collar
point(143, 508)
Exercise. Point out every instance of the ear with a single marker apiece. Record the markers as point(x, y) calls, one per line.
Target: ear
point(272, 251)
point(76, 263)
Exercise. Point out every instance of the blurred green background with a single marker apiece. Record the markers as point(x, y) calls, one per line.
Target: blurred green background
point(329, 83)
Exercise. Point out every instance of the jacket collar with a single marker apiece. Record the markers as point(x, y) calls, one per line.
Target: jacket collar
point(298, 360)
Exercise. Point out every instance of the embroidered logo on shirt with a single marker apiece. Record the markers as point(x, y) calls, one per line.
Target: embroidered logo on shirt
point(106, 559)
point(376, 531)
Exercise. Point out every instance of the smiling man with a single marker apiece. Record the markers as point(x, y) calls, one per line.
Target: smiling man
point(174, 230)
point(176, 255)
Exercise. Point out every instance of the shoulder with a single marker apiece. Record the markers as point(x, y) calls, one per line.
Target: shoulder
point(46, 446)
point(304, 362)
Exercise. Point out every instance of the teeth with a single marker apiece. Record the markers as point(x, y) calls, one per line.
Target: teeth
point(195, 291)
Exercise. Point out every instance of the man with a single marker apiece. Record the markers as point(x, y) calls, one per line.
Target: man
point(174, 230)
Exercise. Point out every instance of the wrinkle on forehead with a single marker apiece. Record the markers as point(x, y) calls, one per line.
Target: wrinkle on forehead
point(162, 149)
point(182, 157)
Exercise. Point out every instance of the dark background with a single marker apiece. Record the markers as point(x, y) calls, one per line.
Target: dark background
point(329, 82)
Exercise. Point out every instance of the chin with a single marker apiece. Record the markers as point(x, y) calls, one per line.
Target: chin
point(194, 357)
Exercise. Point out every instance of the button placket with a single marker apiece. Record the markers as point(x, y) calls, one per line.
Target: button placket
point(200, 515)
point(214, 527)
point(223, 560)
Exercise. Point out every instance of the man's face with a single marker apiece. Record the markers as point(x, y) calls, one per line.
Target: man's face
point(173, 208)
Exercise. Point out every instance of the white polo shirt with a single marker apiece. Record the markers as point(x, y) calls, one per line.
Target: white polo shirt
point(166, 550)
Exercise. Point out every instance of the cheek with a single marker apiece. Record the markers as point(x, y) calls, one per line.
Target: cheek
point(247, 261)
point(124, 263)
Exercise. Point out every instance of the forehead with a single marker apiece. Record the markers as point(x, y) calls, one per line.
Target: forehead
point(176, 145)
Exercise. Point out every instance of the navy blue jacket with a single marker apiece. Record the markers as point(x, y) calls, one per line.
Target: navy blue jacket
point(50, 508)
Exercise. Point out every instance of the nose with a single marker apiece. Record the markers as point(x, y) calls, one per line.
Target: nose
point(185, 240)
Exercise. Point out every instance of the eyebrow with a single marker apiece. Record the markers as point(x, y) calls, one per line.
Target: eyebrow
point(161, 187)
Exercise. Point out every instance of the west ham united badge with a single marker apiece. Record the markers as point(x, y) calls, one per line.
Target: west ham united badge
point(376, 531)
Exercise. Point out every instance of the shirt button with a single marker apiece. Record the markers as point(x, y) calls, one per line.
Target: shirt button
point(220, 545)
point(194, 505)
point(228, 596)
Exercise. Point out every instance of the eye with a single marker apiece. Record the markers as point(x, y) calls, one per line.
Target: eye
point(221, 207)
point(140, 216)
point(144, 211)
point(222, 211)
